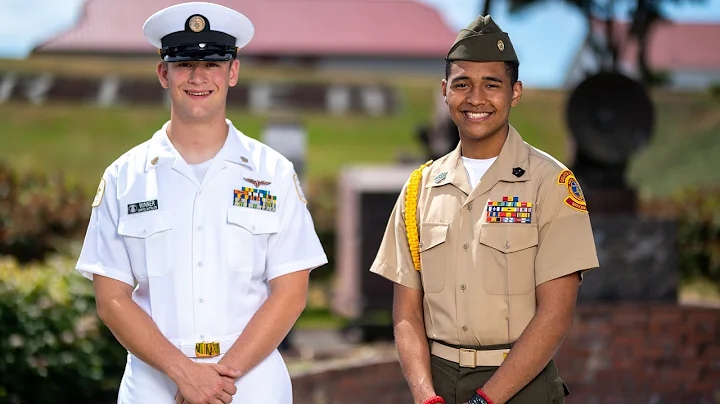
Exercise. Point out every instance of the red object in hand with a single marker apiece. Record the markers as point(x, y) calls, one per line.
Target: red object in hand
point(434, 400)
point(480, 392)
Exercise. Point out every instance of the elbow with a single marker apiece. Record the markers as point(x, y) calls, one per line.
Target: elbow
point(296, 303)
point(106, 307)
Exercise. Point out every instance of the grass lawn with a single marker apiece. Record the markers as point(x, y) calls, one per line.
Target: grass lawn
point(81, 141)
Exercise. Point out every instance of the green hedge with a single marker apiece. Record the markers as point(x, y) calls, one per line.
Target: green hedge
point(38, 214)
point(53, 347)
point(698, 217)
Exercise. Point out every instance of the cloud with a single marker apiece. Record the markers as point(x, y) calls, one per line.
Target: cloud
point(27, 23)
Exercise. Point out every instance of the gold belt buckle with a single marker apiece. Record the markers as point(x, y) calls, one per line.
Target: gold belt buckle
point(467, 351)
point(207, 349)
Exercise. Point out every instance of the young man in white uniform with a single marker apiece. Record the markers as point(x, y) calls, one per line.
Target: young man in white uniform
point(200, 243)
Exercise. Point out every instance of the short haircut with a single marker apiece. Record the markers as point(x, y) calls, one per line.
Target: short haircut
point(511, 68)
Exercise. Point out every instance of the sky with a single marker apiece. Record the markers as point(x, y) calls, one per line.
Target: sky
point(546, 37)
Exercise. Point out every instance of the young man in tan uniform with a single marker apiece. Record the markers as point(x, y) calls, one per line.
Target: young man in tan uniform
point(486, 246)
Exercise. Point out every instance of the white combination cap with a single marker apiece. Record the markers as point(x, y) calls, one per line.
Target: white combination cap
point(198, 31)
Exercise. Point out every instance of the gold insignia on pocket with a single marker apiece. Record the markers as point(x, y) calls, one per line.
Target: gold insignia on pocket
point(99, 194)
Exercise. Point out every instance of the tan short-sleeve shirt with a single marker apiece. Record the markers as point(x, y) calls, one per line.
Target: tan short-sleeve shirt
point(483, 250)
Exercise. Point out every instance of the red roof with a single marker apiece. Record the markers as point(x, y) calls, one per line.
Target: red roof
point(282, 27)
point(672, 45)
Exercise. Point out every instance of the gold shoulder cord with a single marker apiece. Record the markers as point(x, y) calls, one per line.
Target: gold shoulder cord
point(411, 200)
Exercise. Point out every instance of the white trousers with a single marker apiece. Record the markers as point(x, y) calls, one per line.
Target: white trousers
point(268, 383)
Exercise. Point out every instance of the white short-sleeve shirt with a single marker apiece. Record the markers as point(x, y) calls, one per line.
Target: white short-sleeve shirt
point(200, 255)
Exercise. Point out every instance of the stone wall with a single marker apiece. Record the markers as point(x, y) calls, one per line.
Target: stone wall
point(651, 353)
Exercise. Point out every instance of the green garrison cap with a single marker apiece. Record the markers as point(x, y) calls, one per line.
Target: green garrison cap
point(483, 41)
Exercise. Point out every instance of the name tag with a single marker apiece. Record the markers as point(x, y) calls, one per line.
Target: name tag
point(142, 206)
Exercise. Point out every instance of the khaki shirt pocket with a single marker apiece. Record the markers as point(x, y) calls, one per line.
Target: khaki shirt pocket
point(507, 258)
point(434, 255)
point(148, 243)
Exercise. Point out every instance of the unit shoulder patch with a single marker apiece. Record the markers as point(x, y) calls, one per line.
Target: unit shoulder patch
point(99, 194)
point(576, 198)
point(298, 188)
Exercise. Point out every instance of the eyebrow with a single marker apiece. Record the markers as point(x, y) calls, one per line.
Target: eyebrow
point(485, 78)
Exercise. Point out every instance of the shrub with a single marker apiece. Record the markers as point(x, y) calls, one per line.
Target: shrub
point(698, 218)
point(322, 203)
point(38, 214)
point(54, 348)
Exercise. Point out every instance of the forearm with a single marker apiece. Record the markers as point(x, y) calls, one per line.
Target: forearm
point(414, 355)
point(531, 353)
point(265, 331)
point(136, 331)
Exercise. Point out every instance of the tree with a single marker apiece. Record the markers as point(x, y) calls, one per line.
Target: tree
point(644, 15)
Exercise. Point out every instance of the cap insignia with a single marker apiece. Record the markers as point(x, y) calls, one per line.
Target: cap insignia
point(197, 23)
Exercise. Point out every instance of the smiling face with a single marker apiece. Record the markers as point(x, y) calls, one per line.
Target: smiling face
point(198, 90)
point(479, 97)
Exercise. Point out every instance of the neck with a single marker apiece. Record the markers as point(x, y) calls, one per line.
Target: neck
point(197, 141)
point(486, 147)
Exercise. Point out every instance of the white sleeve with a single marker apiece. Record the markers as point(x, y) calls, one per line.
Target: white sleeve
point(103, 251)
point(296, 245)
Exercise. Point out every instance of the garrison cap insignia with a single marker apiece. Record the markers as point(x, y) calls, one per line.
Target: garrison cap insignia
point(576, 198)
point(197, 23)
point(255, 199)
point(99, 194)
point(154, 160)
point(257, 183)
point(509, 210)
point(244, 159)
point(440, 177)
point(298, 188)
point(518, 172)
point(501, 45)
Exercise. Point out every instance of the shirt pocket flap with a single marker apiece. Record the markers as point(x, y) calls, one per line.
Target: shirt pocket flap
point(432, 234)
point(509, 238)
point(143, 226)
point(253, 220)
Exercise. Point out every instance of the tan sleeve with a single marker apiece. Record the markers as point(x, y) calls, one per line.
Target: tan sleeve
point(565, 242)
point(393, 260)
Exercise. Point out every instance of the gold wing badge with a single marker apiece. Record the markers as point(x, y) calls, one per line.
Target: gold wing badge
point(257, 183)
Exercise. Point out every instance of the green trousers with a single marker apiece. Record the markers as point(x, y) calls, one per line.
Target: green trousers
point(457, 385)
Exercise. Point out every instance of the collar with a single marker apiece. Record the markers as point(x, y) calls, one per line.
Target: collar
point(161, 150)
point(513, 159)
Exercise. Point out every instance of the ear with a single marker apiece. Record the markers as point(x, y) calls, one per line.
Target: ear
point(234, 72)
point(444, 90)
point(162, 73)
point(516, 93)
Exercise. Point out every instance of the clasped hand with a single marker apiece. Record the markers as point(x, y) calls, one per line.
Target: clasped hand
point(206, 383)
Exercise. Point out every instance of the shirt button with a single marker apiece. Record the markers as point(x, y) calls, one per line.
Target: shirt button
point(202, 336)
point(463, 287)
point(470, 207)
point(144, 232)
point(464, 328)
point(420, 245)
point(200, 264)
point(466, 246)
point(201, 300)
point(199, 228)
